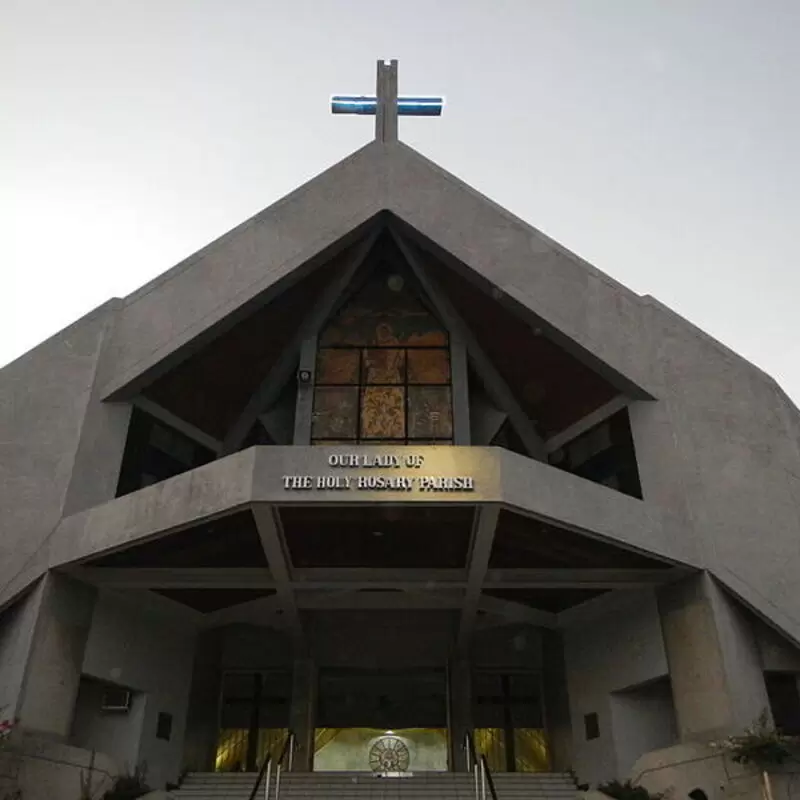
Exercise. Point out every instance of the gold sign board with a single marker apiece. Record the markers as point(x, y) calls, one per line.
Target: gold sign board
point(373, 472)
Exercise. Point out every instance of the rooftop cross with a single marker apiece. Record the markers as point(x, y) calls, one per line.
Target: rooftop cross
point(385, 105)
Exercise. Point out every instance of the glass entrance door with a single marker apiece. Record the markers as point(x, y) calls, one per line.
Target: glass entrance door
point(509, 721)
point(254, 719)
point(381, 721)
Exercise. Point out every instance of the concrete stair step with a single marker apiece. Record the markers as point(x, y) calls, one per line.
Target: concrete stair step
point(365, 786)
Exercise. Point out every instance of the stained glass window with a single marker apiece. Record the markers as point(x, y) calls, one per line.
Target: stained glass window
point(428, 412)
point(337, 367)
point(383, 372)
point(335, 412)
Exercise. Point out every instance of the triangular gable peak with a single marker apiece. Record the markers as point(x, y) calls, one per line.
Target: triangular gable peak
point(197, 300)
point(385, 343)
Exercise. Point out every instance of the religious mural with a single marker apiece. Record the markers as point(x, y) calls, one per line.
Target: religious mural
point(383, 371)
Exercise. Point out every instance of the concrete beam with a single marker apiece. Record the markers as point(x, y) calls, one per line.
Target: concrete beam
point(601, 607)
point(369, 578)
point(517, 612)
point(575, 578)
point(304, 404)
point(493, 382)
point(164, 607)
point(386, 122)
point(380, 600)
point(272, 385)
point(178, 578)
point(268, 525)
point(587, 423)
point(263, 611)
point(482, 540)
point(353, 579)
point(173, 421)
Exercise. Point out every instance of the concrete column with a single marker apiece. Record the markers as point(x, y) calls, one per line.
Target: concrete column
point(303, 712)
point(202, 721)
point(53, 672)
point(556, 700)
point(17, 624)
point(460, 711)
point(714, 662)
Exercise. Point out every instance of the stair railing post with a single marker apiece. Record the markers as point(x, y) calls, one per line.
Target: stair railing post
point(268, 779)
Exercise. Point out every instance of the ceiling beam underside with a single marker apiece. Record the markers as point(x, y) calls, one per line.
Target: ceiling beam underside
point(353, 579)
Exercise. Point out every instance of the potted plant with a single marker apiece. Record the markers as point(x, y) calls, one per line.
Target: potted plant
point(761, 745)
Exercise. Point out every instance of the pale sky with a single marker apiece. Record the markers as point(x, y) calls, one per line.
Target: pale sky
point(658, 139)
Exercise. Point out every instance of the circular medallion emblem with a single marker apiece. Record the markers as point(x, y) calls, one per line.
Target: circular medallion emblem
point(389, 754)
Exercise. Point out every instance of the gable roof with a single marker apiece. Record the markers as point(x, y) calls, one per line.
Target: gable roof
point(210, 291)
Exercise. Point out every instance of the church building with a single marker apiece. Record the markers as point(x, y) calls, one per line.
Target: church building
point(387, 468)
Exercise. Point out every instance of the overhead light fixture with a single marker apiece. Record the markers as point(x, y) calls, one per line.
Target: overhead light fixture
point(395, 282)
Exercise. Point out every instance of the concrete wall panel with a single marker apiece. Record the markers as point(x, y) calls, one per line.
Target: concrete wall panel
point(620, 651)
point(44, 397)
point(734, 459)
point(777, 653)
point(116, 735)
point(151, 654)
point(400, 639)
point(508, 647)
point(251, 647)
point(643, 719)
point(575, 298)
point(217, 487)
point(714, 659)
point(211, 284)
point(17, 625)
point(53, 671)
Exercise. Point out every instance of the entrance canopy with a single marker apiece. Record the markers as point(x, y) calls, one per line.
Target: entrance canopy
point(267, 563)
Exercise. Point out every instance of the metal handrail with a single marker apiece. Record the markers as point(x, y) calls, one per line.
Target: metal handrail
point(265, 773)
point(487, 775)
point(479, 767)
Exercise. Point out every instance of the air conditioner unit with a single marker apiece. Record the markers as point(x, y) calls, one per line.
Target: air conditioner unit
point(116, 700)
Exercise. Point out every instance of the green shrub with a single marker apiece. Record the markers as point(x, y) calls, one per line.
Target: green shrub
point(761, 745)
point(627, 791)
point(129, 786)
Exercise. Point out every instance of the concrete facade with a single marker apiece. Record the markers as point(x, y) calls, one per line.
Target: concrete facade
point(607, 660)
point(55, 658)
point(717, 445)
point(152, 655)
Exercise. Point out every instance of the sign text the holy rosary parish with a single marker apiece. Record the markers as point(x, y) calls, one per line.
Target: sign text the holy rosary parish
point(384, 481)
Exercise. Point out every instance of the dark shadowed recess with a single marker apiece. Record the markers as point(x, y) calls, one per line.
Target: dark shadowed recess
point(230, 541)
point(211, 387)
point(529, 543)
point(552, 600)
point(378, 536)
point(553, 387)
point(208, 600)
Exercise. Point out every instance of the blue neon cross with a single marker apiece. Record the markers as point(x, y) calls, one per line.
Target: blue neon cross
point(368, 105)
point(385, 105)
